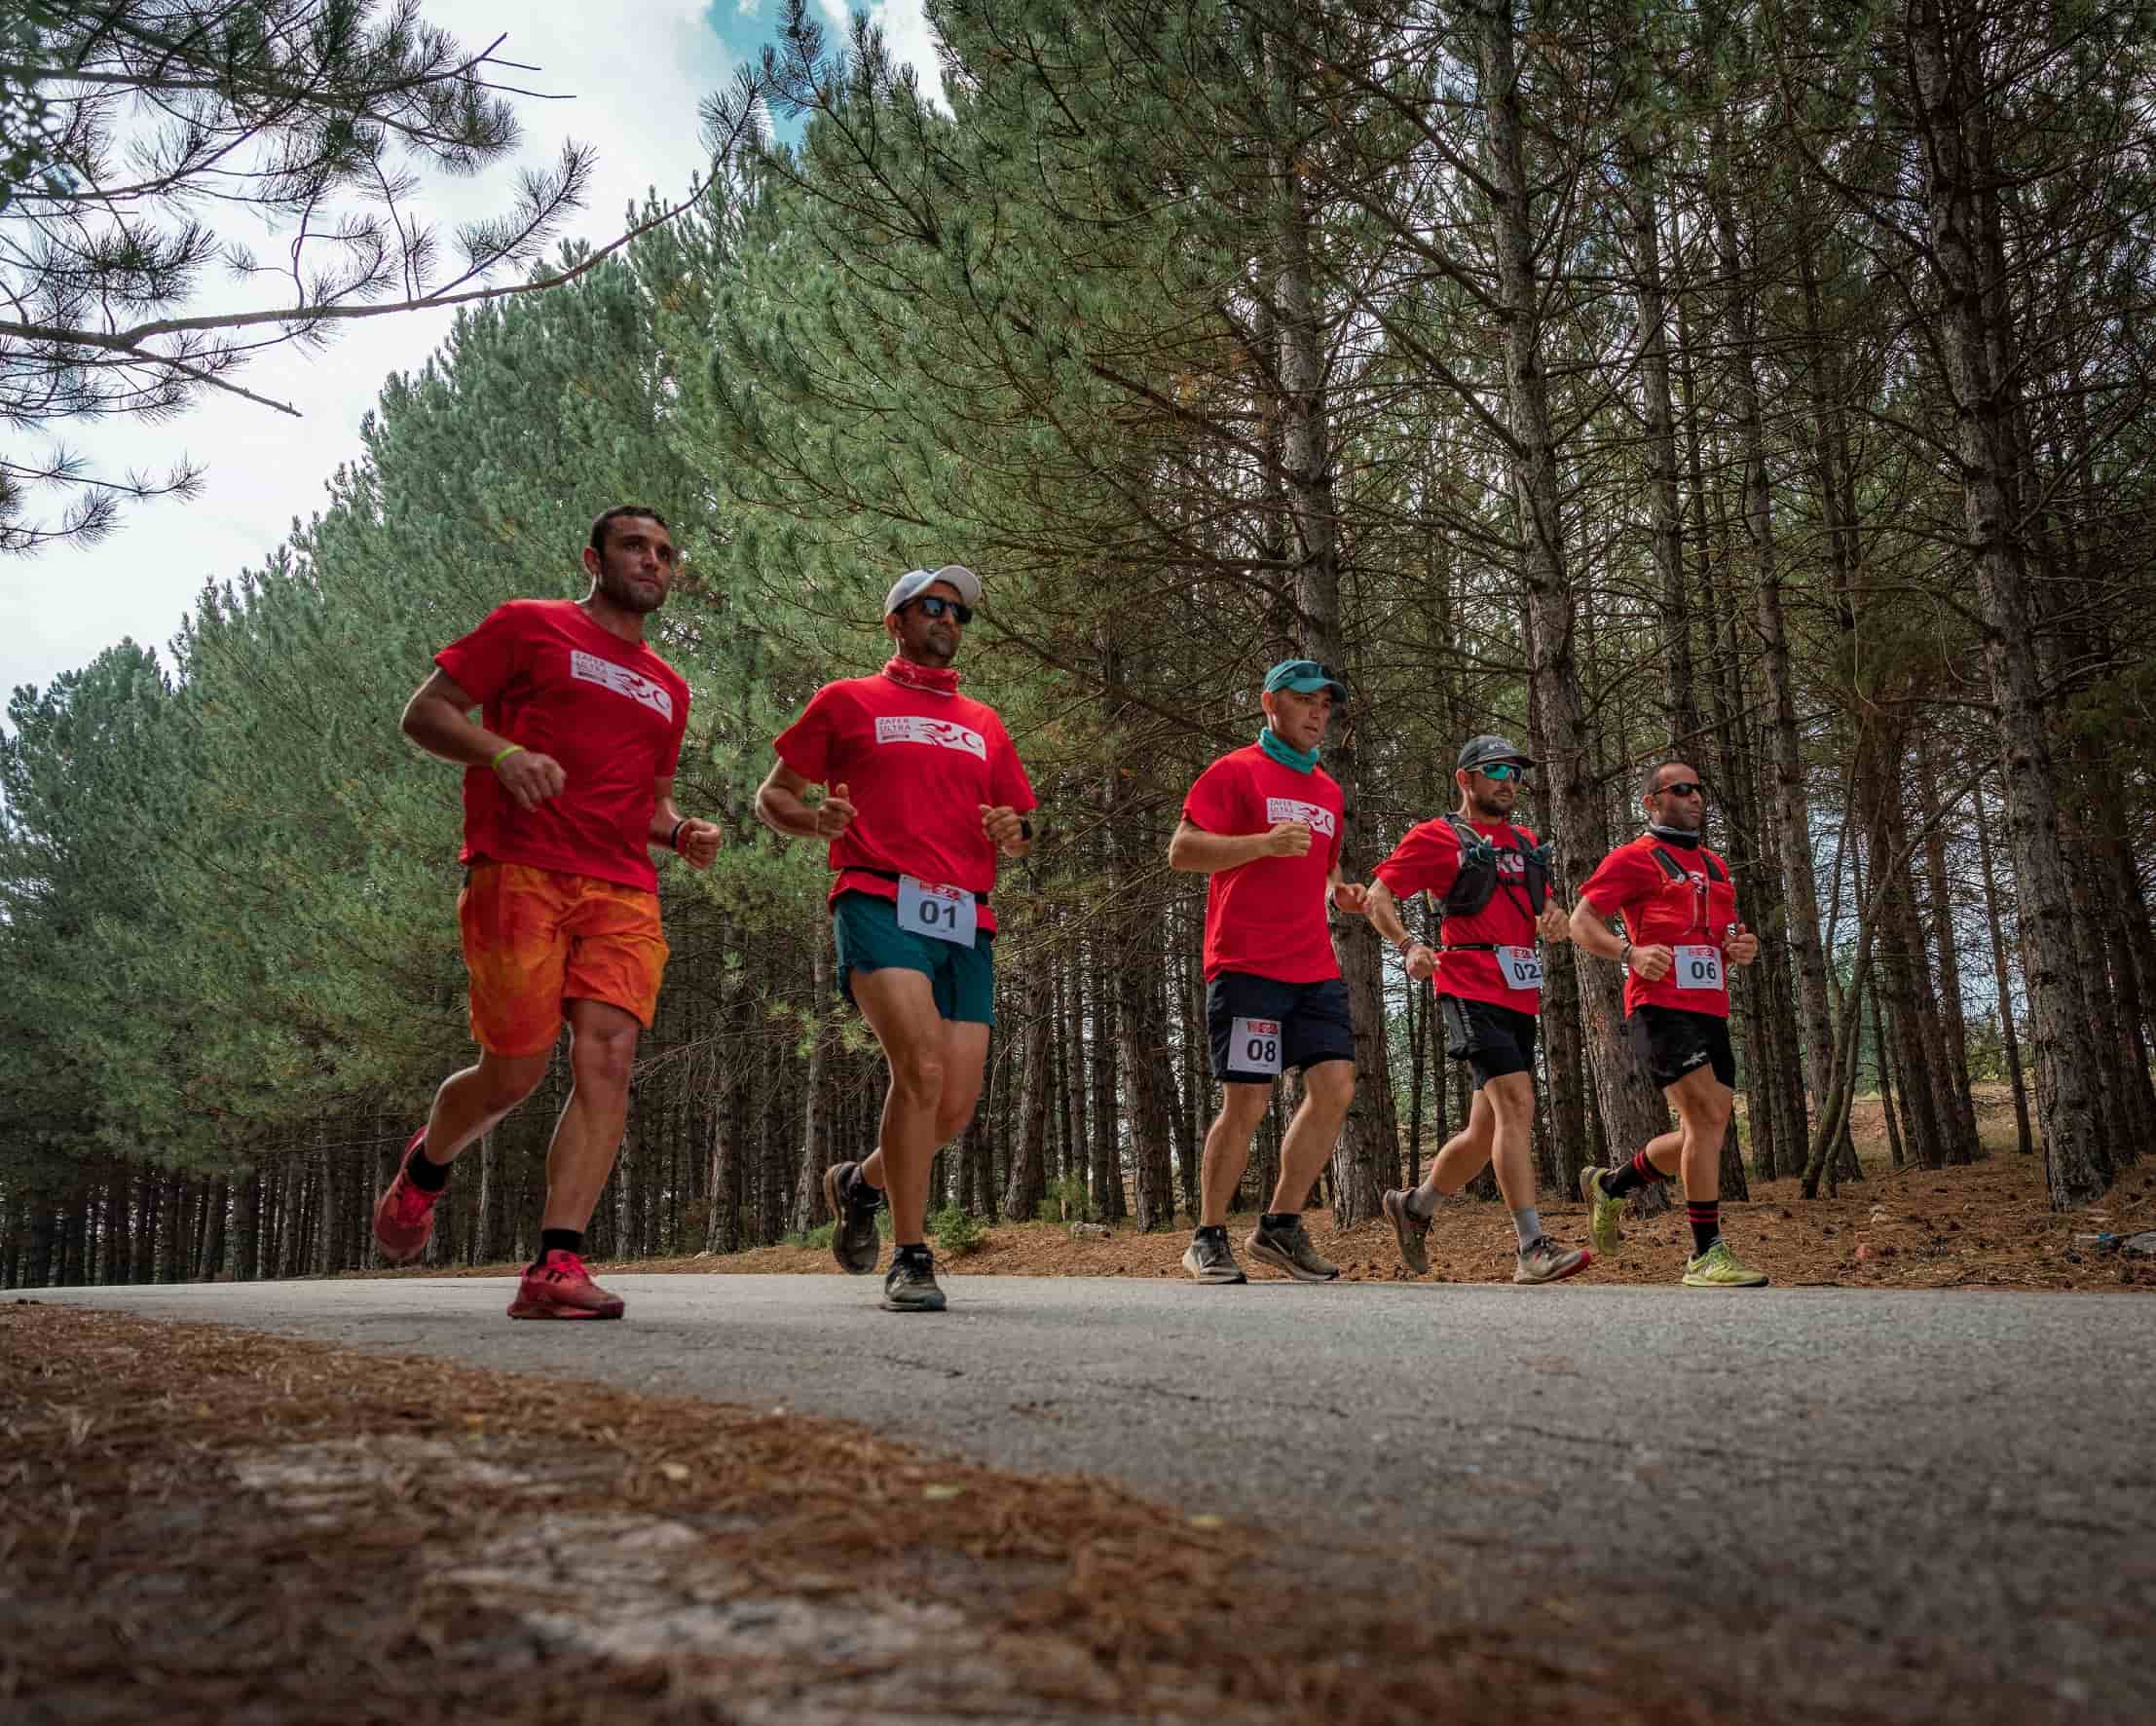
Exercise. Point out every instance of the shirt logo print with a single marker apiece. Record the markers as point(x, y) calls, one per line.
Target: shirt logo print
point(643, 691)
point(1315, 815)
point(942, 733)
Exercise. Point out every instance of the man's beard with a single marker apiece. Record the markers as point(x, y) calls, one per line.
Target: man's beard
point(621, 591)
point(1489, 811)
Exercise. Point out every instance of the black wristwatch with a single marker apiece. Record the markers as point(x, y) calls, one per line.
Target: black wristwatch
point(1025, 828)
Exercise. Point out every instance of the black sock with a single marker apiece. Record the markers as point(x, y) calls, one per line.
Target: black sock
point(558, 1240)
point(856, 1191)
point(424, 1171)
point(917, 1251)
point(1705, 1218)
point(1271, 1219)
point(1219, 1230)
point(1636, 1174)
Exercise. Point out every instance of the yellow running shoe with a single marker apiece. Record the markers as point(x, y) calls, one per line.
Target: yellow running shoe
point(1602, 1211)
point(1718, 1268)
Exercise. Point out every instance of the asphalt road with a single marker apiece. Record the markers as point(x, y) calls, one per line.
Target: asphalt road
point(1852, 1486)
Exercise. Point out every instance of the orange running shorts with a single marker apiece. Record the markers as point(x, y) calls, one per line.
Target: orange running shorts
point(536, 938)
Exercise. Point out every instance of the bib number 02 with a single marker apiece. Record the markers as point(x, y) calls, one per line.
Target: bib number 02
point(1522, 967)
point(1697, 967)
point(1254, 1046)
point(940, 912)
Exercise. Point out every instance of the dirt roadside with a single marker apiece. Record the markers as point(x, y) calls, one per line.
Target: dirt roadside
point(209, 1524)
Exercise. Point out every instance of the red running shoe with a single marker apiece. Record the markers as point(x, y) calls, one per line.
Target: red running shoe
point(559, 1287)
point(404, 1216)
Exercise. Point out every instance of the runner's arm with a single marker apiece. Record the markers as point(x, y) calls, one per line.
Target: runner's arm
point(1592, 934)
point(1353, 897)
point(1196, 851)
point(781, 805)
point(438, 719)
point(697, 842)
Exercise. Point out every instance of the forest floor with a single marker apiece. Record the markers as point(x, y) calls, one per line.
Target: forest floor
point(1984, 1224)
point(206, 1525)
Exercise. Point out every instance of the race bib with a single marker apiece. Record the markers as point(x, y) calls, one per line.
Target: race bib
point(1522, 967)
point(941, 913)
point(1697, 967)
point(1254, 1046)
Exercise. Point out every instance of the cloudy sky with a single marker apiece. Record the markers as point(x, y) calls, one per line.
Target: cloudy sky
point(637, 70)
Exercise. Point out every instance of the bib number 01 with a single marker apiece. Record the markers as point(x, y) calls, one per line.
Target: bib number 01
point(1254, 1046)
point(940, 912)
point(1697, 967)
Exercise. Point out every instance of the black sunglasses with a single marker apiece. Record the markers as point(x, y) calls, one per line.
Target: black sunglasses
point(1682, 788)
point(935, 605)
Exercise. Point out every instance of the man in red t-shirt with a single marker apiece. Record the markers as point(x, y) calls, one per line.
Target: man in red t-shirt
point(1264, 823)
point(569, 782)
point(1491, 881)
point(924, 790)
point(1680, 925)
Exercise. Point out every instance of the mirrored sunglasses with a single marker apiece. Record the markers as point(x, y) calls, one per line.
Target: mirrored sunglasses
point(935, 605)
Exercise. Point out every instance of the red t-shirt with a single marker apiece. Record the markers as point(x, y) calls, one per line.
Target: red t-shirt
point(1268, 917)
point(1427, 860)
point(916, 765)
point(1693, 912)
point(610, 711)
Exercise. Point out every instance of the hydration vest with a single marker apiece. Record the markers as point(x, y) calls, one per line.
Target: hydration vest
point(1676, 871)
point(1476, 884)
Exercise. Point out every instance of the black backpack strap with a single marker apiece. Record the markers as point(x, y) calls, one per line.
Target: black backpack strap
point(1675, 870)
point(1467, 946)
point(1714, 869)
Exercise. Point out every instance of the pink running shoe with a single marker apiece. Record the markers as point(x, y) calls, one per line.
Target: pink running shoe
point(404, 1216)
point(559, 1287)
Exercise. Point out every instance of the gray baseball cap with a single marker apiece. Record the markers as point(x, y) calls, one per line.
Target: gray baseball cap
point(1482, 751)
point(914, 582)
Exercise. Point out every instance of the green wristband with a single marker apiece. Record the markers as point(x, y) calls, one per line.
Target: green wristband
point(503, 755)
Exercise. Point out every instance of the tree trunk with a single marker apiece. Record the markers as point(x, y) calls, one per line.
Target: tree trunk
point(1944, 62)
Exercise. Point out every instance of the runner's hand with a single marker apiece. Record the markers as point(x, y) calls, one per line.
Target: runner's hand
point(1745, 947)
point(1001, 825)
point(530, 778)
point(1421, 963)
point(698, 843)
point(1351, 896)
point(1553, 923)
point(833, 814)
point(1653, 963)
point(1288, 839)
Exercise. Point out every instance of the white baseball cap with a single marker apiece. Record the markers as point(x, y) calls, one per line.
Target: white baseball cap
point(914, 582)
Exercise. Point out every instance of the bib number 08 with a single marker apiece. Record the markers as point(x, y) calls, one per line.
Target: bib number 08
point(1254, 1046)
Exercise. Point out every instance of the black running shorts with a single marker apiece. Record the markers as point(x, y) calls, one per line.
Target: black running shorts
point(1260, 1029)
point(1493, 1040)
point(1672, 1043)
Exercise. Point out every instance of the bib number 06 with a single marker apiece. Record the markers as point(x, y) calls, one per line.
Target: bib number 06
point(1697, 967)
point(940, 912)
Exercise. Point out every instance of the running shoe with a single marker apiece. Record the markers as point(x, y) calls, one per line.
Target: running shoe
point(559, 1287)
point(853, 1202)
point(404, 1215)
point(1210, 1259)
point(909, 1286)
point(1287, 1248)
point(1410, 1230)
point(1545, 1261)
point(1602, 1211)
point(1718, 1268)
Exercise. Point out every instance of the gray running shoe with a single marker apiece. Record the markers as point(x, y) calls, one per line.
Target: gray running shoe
point(1410, 1230)
point(1210, 1258)
point(911, 1284)
point(1601, 1210)
point(853, 1202)
point(1287, 1248)
point(1545, 1261)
